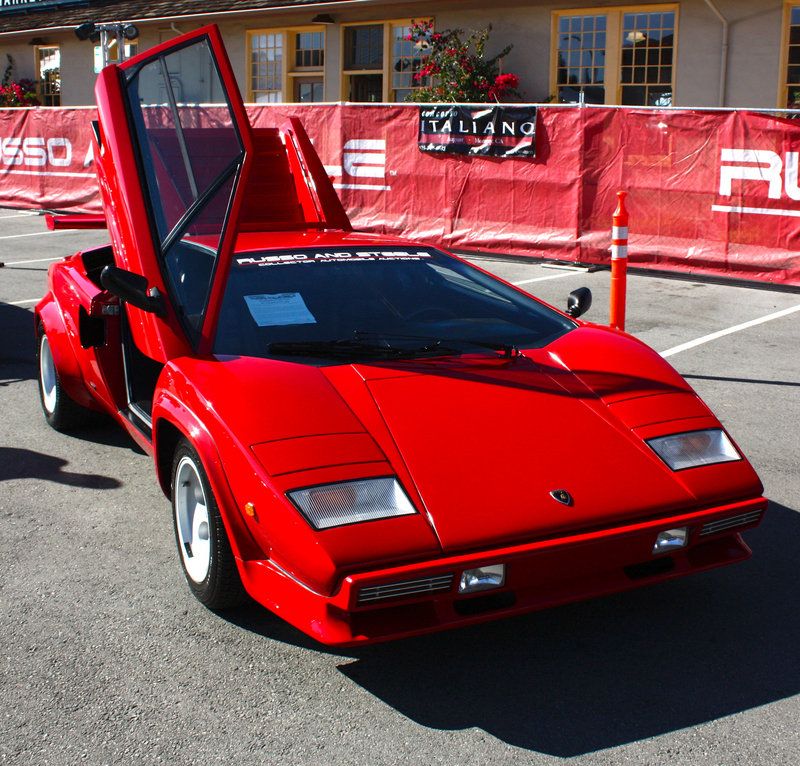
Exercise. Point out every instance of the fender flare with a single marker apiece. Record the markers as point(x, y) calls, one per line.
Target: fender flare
point(48, 314)
point(170, 414)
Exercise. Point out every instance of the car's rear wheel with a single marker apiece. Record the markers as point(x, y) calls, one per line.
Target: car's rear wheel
point(202, 541)
point(59, 410)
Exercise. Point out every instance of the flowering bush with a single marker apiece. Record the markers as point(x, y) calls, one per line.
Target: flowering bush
point(21, 93)
point(457, 70)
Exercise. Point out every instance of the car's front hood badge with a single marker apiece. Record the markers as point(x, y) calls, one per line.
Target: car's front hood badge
point(562, 496)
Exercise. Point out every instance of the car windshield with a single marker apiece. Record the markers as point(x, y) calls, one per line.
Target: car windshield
point(350, 303)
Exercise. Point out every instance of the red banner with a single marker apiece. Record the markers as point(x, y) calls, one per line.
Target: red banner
point(709, 192)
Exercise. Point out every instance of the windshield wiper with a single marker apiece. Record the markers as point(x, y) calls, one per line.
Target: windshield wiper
point(372, 344)
point(445, 344)
point(339, 347)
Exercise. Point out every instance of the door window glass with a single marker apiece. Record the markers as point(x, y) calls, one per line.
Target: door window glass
point(190, 153)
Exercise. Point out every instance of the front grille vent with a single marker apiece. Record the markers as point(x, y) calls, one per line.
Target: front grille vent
point(373, 593)
point(731, 522)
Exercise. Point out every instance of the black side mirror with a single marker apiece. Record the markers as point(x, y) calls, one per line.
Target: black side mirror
point(579, 301)
point(132, 288)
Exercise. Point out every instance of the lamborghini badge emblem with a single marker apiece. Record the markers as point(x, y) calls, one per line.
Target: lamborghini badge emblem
point(562, 496)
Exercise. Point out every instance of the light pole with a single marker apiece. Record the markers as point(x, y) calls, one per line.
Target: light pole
point(107, 35)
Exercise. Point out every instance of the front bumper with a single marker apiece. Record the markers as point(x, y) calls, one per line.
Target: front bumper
point(538, 575)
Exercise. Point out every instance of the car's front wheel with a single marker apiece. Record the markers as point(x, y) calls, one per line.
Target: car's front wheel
point(59, 410)
point(203, 544)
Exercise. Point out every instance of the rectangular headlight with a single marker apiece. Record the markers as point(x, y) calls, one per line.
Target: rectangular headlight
point(695, 448)
point(348, 502)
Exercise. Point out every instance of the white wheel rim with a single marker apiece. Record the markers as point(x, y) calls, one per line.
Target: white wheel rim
point(191, 517)
point(47, 375)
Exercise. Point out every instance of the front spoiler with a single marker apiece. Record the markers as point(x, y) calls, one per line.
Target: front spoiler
point(539, 574)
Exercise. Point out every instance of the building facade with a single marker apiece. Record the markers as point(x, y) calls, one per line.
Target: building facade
point(692, 53)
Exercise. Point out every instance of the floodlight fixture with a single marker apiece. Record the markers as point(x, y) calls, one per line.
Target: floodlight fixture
point(85, 30)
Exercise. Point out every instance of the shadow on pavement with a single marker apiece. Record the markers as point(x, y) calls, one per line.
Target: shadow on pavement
point(612, 671)
point(744, 380)
point(18, 344)
point(18, 463)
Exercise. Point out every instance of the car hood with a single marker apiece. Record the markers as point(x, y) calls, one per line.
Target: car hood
point(486, 440)
point(481, 441)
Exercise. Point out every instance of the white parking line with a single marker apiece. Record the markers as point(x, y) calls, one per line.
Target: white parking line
point(544, 279)
point(728, 331)
point(22, 303)
point(11, 264)
point(18, 215)
point(36, 234)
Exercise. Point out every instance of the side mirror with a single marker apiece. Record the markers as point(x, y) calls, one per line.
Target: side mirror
point(579, 301)
point(132, 288)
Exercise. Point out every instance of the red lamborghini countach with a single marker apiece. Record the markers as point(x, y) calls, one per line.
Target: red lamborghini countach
point(367, 435)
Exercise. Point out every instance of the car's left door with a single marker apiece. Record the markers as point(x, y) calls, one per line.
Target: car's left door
point(173, 149)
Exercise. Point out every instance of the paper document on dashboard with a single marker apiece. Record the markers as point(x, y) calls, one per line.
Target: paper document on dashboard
point(271, 310)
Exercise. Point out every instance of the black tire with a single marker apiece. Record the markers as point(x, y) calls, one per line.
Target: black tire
point(217, 583)
point(60, 412)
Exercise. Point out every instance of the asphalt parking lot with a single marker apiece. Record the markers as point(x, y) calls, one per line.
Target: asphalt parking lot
point(108, 659)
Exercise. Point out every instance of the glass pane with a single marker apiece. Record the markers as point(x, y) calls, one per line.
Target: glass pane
point(49, 66)
point(661, 97)
point(594, 95)
point(308, 91)
point(190, 260)
point(647, 55)
point(633, 95)
point(366, 87)
point(583, 51)
point(266, 54)
point(185, 147)
point(407, 61)
point(309, 49)
point(380, 296)
point(364, 47)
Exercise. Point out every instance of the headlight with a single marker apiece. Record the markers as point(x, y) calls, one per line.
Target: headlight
point(348, 502)
point(695, 448)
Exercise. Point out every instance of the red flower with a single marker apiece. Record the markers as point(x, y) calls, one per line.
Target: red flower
point(506, 81)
